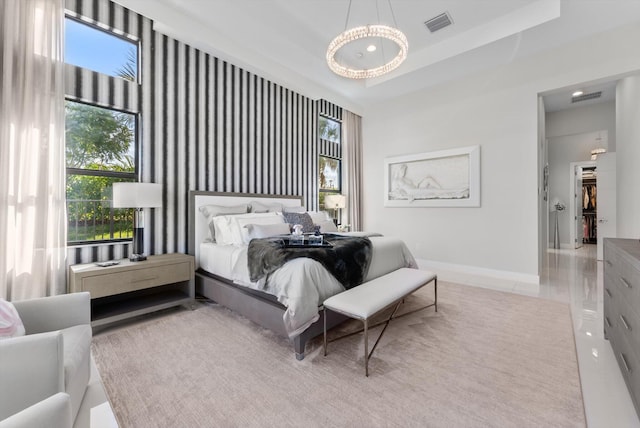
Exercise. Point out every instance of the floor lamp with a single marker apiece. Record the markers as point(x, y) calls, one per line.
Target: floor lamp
point(559, 206)
point(138, 196)
point(335, 202)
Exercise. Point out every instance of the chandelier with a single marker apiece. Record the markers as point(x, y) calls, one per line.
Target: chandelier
point(362, 32)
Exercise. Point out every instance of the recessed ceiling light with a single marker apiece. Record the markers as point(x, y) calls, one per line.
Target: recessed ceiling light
point(577, 93)
point(371, 48)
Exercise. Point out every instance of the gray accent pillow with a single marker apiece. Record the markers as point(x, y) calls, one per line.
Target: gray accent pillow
point(211, 211)
point(300, 218)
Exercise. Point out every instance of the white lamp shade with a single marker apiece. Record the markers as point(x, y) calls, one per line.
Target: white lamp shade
point(335, 201)
point(137, 195)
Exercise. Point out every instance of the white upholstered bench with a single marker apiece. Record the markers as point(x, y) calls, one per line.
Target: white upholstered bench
point(372, 297)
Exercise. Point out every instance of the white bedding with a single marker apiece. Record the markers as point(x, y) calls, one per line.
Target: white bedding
point(302, 284)
point(219, 259)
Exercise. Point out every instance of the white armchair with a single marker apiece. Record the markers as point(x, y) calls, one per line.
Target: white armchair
point(53, 357)
point(52, 412)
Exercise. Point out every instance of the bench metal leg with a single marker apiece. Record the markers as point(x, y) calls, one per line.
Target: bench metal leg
point(325, 331)
point(435, 292)
point(366, 348)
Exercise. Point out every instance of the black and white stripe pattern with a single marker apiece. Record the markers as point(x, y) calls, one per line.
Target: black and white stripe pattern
point(205, 124)
point(88, 86)
point(330, 110)
point(331, 149)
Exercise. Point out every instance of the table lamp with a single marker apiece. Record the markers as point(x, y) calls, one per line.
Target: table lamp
point(335, 202)
point(138, 196)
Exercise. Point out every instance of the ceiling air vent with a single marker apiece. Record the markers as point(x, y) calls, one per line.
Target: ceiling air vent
point(439, 22)
point(585, 97)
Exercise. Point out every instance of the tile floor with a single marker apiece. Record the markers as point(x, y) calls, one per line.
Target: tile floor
point(572, 276)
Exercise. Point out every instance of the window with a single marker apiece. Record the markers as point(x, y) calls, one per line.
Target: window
point(329, 181)
point(100, 150)
point(94, 49)
point(101, 144)
point(329, 129)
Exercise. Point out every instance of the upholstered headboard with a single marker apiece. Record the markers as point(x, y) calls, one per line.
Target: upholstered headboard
point(198, 227)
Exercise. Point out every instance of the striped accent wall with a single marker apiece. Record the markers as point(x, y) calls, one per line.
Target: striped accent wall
point(330, 110)
point(205, 124)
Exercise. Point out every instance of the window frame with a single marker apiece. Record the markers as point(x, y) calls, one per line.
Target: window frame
point(94, 101)
point(123, 176)
point(330, 119)
point(323, 192)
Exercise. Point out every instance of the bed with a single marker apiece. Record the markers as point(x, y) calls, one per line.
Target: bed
point(287, 301)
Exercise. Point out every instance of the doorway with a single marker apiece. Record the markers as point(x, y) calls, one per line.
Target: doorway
point(583, 204)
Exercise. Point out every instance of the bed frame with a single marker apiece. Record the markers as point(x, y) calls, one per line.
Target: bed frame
point(259, 307)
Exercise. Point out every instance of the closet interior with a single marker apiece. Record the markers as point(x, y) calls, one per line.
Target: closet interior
point(589, 206)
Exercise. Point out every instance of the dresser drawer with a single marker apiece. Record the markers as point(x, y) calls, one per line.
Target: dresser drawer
point(629, 364)
point(628, 326)
point(135, 279)
point(610, 311)
point(611, 258)
point(628, 280)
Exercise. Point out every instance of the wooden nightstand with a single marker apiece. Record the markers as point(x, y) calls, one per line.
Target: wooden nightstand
point(129, 289)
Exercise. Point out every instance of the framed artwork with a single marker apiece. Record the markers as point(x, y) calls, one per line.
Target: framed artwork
point(445, 178)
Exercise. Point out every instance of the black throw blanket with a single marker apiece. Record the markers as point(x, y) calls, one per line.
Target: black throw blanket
point(347, 259)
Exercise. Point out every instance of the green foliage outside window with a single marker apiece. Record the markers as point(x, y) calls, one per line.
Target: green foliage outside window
point(329, 129)
point(99, 138)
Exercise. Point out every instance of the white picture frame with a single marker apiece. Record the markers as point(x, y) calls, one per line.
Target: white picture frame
point(445, 178)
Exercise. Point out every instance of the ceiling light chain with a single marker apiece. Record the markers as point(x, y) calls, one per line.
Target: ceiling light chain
point(346, 21)
point(365, 31)
point(384, 58)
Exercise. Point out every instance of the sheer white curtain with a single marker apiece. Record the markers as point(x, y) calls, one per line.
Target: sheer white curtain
point(32, 175)
point(352, 168)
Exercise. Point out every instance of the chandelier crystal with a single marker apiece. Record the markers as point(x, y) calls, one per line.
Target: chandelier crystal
point(381, 31)
point(367, 31)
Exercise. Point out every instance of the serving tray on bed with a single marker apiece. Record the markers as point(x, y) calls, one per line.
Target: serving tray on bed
point(286, 243)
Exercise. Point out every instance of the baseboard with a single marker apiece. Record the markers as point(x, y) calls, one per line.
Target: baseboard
point(563, 246)
point(482, 277)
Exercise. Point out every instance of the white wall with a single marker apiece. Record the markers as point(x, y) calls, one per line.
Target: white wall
point(498, 110)
point(591, 118)
point(543, 202)
point(628, 157)
point(572, 134)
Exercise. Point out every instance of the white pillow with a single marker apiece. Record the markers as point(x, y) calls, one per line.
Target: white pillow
point(259, 207)
point(10, 322)
point(326, 226)
point(318, 216)
point(255, 231)
point(212, 211)
point(222, 230)
point(296, 209)
point(237, 223)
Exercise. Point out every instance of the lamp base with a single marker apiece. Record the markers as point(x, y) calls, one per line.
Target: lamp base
point(137, 257)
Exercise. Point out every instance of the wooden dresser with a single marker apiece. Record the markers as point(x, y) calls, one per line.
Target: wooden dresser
point(622, 308)
point(129, 288)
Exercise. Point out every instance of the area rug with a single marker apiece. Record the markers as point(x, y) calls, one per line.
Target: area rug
point(485, 359)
